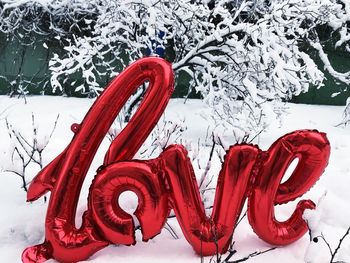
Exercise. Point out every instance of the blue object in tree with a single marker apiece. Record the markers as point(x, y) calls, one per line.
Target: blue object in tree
point(157, 45)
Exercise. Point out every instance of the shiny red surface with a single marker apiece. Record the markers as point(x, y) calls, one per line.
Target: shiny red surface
point(312, 149)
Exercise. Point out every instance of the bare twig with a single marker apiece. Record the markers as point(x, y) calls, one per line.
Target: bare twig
point(171, 230)
point(207, 167)
point(241, 218)
point(27, 151)
point(251, 255)
point(339, 244)
point(331, 252)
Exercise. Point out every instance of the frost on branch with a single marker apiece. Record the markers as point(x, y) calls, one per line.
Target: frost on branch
point(28, 28)
point(346, 114)
point(45, 17)
point(25, 151)
point(243, 57)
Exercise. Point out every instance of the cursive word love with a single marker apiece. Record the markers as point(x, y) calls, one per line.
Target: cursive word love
point(167, 182)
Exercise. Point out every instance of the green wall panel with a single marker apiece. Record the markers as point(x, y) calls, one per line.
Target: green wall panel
point(341, 62)
point(30, 63)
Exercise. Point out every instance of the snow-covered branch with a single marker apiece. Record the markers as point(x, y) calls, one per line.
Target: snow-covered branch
point(25, 150)
point(243, 57)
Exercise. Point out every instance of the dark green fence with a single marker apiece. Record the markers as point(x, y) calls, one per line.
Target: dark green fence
point(26, 64)
point(23, 64)
point(341, 62)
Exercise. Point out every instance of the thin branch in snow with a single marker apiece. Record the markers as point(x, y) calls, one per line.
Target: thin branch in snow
point(24, 152)
point(339, 244)
point(251, 255)
point(171, 230)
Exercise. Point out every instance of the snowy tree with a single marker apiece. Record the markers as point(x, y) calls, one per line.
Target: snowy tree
point(243, 57)
point(33, 25)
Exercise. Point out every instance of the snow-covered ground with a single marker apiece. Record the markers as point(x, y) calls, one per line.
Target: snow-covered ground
point(22, 224)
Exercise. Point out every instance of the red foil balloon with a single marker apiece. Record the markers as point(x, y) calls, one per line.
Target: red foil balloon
point(144, 179)
point(312, 149)
point(167, 182)
point(209, 235)
point(64, 176)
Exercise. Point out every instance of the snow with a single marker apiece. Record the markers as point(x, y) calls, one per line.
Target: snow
point(22, 224)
